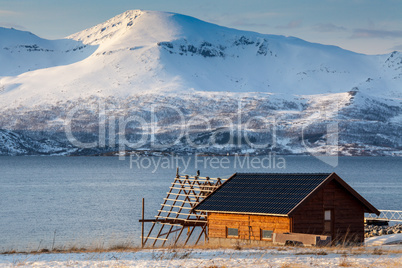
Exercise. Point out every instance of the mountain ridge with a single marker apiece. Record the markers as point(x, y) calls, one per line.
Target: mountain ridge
point(142, 59)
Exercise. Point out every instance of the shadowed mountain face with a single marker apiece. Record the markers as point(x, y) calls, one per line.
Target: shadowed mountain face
point(196, 86)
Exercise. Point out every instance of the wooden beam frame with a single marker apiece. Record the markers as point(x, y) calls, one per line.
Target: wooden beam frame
point(176, 210)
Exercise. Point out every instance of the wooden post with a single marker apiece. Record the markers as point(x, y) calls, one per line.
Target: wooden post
point(142, 225)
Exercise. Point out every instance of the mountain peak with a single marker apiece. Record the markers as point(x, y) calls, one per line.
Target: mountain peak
point(151, 51)
point(11, 37)
point(154, 26)
point(109, 28)
point(141, 58)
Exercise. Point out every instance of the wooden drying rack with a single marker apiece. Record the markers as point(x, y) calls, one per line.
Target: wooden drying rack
point(176, 210)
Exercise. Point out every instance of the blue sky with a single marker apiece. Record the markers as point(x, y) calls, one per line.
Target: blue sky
point(365, 26)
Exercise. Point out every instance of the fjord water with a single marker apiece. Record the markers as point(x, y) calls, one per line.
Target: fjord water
point(96, 201)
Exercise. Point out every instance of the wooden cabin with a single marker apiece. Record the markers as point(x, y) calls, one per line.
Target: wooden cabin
point(256, 206)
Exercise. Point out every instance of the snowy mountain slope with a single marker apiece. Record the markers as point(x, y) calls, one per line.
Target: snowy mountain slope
point(21, 52)
point(12, 143)
point(153, 51)
point(140, 60)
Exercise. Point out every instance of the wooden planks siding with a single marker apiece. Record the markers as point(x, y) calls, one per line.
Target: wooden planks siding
point(348, 214)
point(249, 225)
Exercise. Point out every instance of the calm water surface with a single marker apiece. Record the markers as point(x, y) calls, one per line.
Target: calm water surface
point(96, 201)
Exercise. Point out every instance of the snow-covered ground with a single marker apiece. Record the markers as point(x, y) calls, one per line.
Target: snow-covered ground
point(391, 239)
point(381, 251)
point(275, 257)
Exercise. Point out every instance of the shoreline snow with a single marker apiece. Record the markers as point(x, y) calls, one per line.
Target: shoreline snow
point(391, 239)
point(273, 257)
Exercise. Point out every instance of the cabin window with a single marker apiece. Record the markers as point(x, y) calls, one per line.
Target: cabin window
point(327, 215)
point(328, 221)
point(233, 232)
point(266, 234)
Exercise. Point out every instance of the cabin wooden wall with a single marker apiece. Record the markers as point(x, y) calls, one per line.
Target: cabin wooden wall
point(348, 214)
point(219, 222)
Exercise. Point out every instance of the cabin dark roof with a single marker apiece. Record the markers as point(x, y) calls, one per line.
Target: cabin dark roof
point(275, 194)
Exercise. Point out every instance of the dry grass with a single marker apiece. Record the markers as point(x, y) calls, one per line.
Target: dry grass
point(292, 265)
point(74, 249)
point(344, 262)
point(310, 252)
point(343, 255)
point(389, 263)
point(128, 247)
point(378, 251)
point(171, 254)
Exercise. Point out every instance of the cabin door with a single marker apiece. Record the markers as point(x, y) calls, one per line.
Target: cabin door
point(328, 222)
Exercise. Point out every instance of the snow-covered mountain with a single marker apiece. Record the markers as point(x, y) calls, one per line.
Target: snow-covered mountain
point(191, 83)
